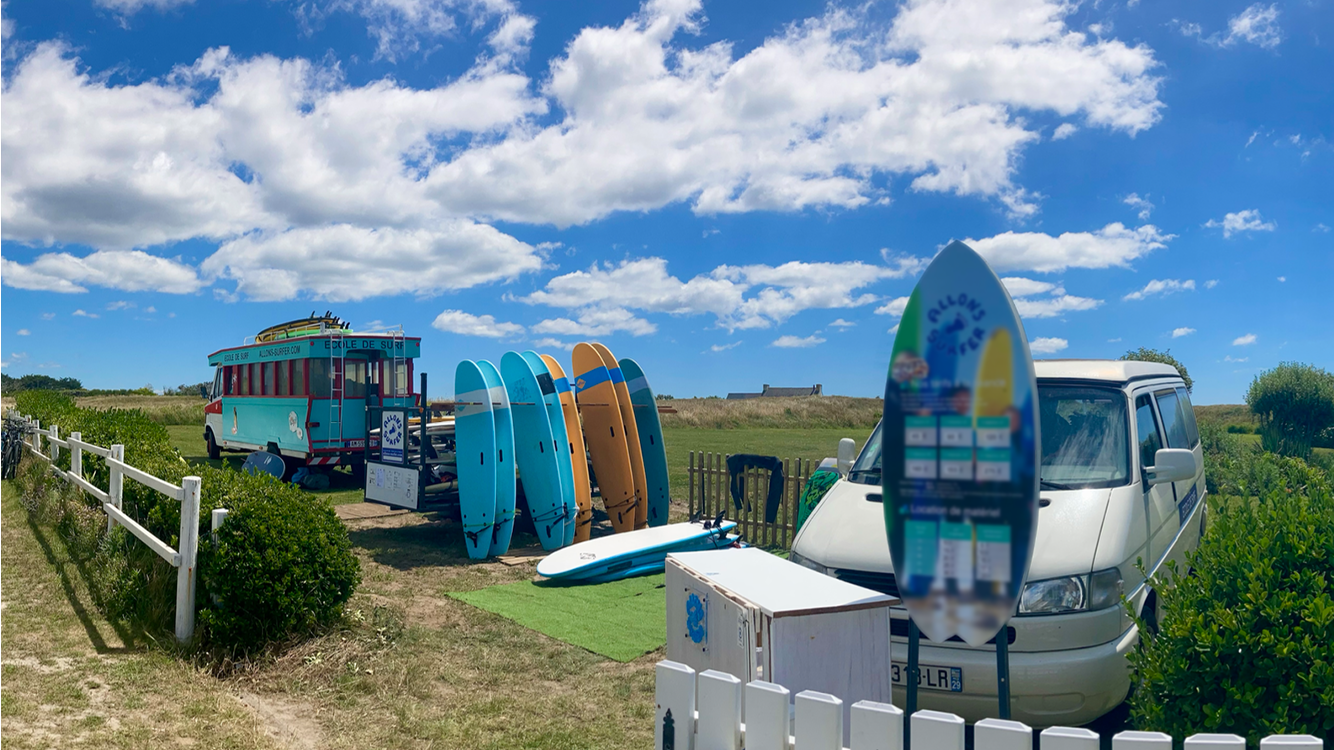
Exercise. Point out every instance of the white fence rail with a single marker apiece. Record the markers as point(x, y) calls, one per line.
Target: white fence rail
point(187, 494)
point(704, 712)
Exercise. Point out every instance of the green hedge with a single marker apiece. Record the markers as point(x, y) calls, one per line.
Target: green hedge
point(1245, 638)
point(282, 566)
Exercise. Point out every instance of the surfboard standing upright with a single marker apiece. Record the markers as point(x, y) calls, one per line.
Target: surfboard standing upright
point(583, 493)
point(532, 450)
point(605, 435)
point(960, 462)
point(631, 432)
point(650, 441)
point(504, 463)
point(475, 452)
point(559, 439)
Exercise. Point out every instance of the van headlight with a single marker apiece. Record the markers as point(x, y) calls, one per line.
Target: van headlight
point(807, 563)
point(1072, 594)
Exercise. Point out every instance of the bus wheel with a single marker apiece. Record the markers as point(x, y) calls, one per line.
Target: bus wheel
point(214, 452)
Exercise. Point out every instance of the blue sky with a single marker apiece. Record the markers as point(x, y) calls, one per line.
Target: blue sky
point(730, 193)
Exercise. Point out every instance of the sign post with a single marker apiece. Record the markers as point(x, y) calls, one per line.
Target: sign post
point(960, 465)
point(393, 435)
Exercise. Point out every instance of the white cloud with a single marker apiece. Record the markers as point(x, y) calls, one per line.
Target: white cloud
point(843, 324)
point(1161, 287)
point(467, 324)
point(83, 314)
point(120, 305)
point(1047, 345)
point(130, 7)
point(1179, 332)
point(1258, 24)
point(1320, 228)
point(1053, 306)
point(402, 27)
point(893, 307)
point(126, 270)
point(1244, 340)
point(795, 342)
point(1282, 279)
point(1113, 245)
point(23, 332)
point(1114, 341)
point(48, 316)
point(1230, 358)
point(813, 117)
point(755, 296)
point(597, 321)
point(1211, 283)
point(345, 262)
point(150, 309)
point(1021, 287)
point(724, 347)
point(550, 343)
point(894, 329)
point(1142, 205)
point(1248, 220)
point(1063, 131)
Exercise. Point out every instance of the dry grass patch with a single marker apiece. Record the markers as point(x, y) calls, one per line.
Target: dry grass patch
point(160, 409)
point(804, 412)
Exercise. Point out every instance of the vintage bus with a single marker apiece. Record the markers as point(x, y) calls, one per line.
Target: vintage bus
point(301, 390)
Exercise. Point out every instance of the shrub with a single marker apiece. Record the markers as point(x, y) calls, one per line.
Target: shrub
point(1144, 354)
point(1295, 403)
point(282, 566)
point(1243, 645)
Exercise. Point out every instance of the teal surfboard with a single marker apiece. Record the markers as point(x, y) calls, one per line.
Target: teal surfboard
point(533, 451)
point(556, 415)
point(475, 452)
point(650, 441)
point(504, 463)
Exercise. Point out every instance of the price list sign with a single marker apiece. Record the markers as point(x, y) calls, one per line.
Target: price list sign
point(960, 466)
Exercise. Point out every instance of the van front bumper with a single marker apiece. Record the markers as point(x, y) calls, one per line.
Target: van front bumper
point(1047, 688)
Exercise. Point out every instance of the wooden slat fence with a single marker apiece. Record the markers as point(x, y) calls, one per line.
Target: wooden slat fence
point(711, 494)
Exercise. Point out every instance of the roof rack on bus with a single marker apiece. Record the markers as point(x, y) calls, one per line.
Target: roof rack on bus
point(310, 326)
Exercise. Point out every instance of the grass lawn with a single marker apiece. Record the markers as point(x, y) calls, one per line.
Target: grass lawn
point(189, 440)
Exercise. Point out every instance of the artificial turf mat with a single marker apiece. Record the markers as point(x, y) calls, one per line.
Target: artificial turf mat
point(620, 620)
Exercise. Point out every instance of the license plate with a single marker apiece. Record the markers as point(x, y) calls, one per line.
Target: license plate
point(930, 677)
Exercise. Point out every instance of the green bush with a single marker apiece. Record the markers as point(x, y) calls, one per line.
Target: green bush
point(282, 566)
point(1295, 403)
point(1244, 640)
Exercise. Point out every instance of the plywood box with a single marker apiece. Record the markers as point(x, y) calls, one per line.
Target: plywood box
point(759, 617)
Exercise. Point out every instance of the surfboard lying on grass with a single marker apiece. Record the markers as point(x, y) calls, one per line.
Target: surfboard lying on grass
point(631, 553)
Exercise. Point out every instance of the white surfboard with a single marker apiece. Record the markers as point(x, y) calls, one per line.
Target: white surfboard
point(631, 552)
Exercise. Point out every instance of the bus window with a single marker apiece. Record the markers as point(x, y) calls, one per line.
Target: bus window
point(354, 379)
point(284, 378)
point(229, 381)
point(269, 382)
point(245, 380)
point(318, 373)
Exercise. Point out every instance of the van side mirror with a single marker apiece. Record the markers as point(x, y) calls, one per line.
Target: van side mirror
point(1171, 465)
point(847, 452)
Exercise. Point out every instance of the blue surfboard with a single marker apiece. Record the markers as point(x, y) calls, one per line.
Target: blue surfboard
point(632, 552)
point(649, 427)
point(556, 414)
point(504, 463)
point(533, 451)
point(475, 452)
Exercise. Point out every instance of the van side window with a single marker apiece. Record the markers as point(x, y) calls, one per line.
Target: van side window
point(354, 379)
point(319, 378)
point(1146, 429)
point(1192, 429)
point(1174, 420)
point(245, 379)
point(284, 377)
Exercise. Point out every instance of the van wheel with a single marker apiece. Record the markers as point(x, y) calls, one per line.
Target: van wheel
point(214, 452)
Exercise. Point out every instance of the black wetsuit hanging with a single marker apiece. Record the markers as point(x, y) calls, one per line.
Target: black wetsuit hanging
point(736, 467)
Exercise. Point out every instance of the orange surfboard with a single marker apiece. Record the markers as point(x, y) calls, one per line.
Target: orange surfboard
point(631, 433)
point(604, 435)
point(583, 493)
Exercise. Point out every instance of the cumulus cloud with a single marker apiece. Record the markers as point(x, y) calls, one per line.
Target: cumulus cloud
point(724, 347)
point(1248, 220)
point(1230, 358)
point(1161, 287)
point(84, 314)
point(1257, 24)
point(550, 343)
point(1047, 345)
point(797, 342)
point(1113, 245)
point(1179, 332)
point(345, 262)
point(1030, 304)
point(1244, 340)
point(1211, 283)
point(467, 324)
point(1142, 205)
point(754, 296)
point(23, 332)
point(126, 270)
point(597, 322)
point(130, 7)
point(402, 27)
point(1063, 131)
point(842, 324)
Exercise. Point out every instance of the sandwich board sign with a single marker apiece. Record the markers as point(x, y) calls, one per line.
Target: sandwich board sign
point(393, 434)
point(960, 465)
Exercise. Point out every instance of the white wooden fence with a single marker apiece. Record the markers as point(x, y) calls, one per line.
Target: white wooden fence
point(704, 712)
point(187, 495)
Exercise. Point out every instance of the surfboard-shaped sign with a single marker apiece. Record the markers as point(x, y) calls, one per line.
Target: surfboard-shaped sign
point(960, 468)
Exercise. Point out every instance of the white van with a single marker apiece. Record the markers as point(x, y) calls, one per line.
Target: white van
point(1122, 482)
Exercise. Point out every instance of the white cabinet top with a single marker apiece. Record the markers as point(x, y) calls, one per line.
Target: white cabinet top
point(776, 586)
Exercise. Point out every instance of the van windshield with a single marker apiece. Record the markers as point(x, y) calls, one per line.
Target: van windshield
point(1084, 440)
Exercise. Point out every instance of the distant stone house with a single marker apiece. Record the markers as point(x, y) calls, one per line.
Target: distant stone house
point(771, 392)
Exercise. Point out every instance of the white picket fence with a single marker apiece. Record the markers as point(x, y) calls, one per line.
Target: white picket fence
point(704, 712)
point(187, 494)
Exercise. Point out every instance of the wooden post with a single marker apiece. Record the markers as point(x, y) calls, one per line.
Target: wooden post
point(116, 483)
point(690, 472)
point(55, 449)
point(37, 436)
point(188, 549)
point(76, 455)
point(216, 520)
